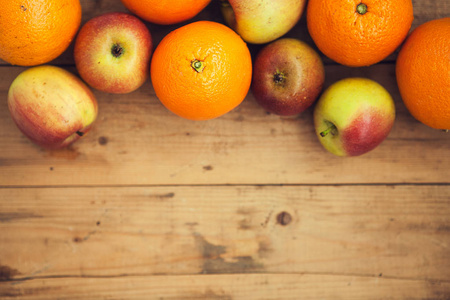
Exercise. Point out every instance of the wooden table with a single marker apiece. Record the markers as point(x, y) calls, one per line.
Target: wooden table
point(246, 206)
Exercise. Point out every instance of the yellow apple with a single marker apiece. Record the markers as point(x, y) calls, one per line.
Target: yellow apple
point(51, 106)
point(262, 21)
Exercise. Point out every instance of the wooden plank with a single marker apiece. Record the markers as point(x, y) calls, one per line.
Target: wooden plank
point(371, 231)
point(227, 287)
point(424, 10)
point(137, 141)
point(247, 206)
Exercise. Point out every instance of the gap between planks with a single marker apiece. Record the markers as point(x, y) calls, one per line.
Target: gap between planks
point(18, 280)
point(380, 184)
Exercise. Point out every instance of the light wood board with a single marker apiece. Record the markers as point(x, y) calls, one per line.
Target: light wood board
point(246, 206)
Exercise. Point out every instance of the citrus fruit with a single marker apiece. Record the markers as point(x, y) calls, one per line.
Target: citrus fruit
point(165, 12)
point(358, 33)
point(201, 70)
point(423, 73)
point(37, 31)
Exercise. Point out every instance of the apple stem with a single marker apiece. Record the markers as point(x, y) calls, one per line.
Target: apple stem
point(80, 133)
point(331, 129)
point(224, 3)
point(361, 8)
point(117, 50)
point(197, 65)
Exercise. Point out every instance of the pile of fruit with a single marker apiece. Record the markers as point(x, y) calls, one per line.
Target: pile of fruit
point(204, 69)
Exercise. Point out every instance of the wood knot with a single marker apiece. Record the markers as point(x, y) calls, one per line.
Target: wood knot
point(103, 140)
point(284, 218)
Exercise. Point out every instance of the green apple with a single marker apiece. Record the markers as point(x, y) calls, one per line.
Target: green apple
point(353, 116)
point(262, 21)
point(51, 106)
point(112, 53)
point(288, 76)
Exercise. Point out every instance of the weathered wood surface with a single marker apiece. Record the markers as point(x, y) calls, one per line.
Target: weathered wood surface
point(395, 233)
point(138, 141)
point(228, 287)
point(246, 206)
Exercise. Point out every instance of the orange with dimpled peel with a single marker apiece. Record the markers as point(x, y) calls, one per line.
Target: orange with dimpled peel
point(423, 73)
point(202, 70)
point(165, 12)
point(36, 32)
point(358, 32)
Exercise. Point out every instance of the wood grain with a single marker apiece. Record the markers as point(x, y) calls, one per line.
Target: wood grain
point(246, 206)
point(390, 231)
point(137, 141)
point(227, 287)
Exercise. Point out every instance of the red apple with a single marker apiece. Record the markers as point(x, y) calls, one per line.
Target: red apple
point(112, 53)
point(353, 116)
point(288, 76)
point(51, 106)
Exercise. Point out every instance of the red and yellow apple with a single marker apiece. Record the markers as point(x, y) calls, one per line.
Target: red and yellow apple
point(51, 106)
point(353, 116)
point(262, 21)
point(288, 76)
point(112, 53)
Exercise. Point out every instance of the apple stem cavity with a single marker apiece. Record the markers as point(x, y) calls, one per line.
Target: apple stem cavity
point(117, 50)
point(80, 133)
point(331, 129)
point(278, 78)
point(361, 8)
point(197, 65)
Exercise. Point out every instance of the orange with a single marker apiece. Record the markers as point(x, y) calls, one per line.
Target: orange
point(37, 31)
point(201, 70)
point(165, 12)
point(358, 32)
point(423, 73)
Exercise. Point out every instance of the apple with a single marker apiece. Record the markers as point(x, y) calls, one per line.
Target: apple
point(288, 76)
point(51, 106)
point(353, 116)
point(262, 21)
point(112, 52)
